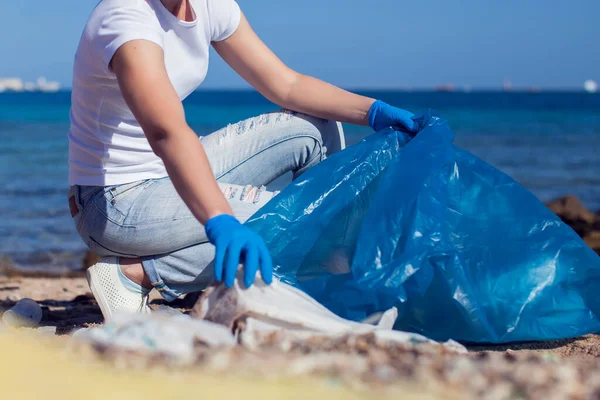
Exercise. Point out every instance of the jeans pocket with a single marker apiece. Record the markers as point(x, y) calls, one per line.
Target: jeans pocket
point(87, 194)
point(117, 200)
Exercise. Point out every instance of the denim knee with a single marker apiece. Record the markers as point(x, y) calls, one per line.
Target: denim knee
point(319, 139)
point(308, 152)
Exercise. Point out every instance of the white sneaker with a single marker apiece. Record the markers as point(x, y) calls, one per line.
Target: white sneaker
point(110, 293)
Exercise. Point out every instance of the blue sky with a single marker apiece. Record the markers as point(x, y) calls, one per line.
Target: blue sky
point(358, 44)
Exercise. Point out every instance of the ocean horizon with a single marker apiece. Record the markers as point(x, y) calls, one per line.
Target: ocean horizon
point(549, 141)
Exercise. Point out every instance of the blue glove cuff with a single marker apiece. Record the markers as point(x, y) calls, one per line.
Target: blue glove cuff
point(213, 225)
point(373, 112)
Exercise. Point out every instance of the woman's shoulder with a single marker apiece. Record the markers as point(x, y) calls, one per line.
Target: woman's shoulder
point(113, 23)
point(108, 11)
point(143, 5)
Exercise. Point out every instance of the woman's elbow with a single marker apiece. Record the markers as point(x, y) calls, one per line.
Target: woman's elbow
point(280, 91)
point(160, 138)
point(158, 141)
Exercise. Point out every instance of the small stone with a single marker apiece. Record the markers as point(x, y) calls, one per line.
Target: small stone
point(47, 330)
point(26, 313)
point(571, 209)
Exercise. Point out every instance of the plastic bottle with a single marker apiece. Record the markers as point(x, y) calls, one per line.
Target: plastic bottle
point(26, 313)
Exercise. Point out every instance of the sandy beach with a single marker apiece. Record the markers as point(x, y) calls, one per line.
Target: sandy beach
point(560, 369)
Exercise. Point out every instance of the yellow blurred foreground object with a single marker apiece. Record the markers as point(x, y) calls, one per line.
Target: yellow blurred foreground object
point(36, 367)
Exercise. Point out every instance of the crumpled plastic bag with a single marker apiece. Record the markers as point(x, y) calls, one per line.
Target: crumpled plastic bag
point(166, 331)
point(282, 313)
point(261, 315)
point(458, 247)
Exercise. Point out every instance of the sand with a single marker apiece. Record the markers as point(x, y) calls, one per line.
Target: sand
point(561, 369)
point(34, 368)
point(68, 304)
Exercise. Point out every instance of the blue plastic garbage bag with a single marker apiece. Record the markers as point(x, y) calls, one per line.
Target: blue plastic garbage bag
point(462, 250)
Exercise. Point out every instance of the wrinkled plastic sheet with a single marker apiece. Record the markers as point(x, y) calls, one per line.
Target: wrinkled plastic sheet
point(458, 247)
point(279, 312)
point(262, 315)
point(166, 332)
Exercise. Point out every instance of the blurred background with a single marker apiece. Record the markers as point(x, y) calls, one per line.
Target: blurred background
point(516, 80)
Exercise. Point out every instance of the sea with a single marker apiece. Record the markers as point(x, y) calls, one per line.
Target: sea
point(547, 141)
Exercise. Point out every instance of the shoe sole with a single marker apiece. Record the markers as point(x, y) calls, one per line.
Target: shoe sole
point(98, 295)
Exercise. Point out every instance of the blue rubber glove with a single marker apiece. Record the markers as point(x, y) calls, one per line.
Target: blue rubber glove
point(240, 244)
point(382, 115)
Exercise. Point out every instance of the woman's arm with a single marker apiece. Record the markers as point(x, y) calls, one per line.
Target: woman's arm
point(147, 89)
point(256, 63)
point(145, 85)
point(252, 59)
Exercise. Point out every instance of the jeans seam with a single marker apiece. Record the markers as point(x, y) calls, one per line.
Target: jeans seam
point(120, 223)
point(138, 225)
point(112, 251)
point(316, 139)
point(144, 224)
point(125, 193)
point(105, 214)
point(82, 215)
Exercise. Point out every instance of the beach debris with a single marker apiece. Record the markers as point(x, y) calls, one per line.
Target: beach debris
point(572, 211)
point(47, 330)
point(267, 347)
point(281, 312)
point(275, 316)
point(25, 313)
point(583, 221)
point(167, 333)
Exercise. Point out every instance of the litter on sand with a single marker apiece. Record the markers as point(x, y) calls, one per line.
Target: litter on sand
point(262, 315)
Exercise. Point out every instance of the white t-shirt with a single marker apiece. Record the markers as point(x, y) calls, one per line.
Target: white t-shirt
point(106, 144)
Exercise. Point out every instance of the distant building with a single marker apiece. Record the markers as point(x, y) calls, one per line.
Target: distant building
point(30, 87)
point(590, 86)
point(47, 86)
point(17, 85)
point(11, 84)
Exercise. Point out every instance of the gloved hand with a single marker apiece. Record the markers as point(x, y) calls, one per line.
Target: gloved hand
point(241, 244)
point(382, 115)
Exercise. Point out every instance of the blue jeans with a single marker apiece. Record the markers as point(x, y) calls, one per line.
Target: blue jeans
point(148, 219)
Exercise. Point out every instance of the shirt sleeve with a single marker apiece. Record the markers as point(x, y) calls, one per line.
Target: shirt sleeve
point(120, 25)
point(224, 16)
